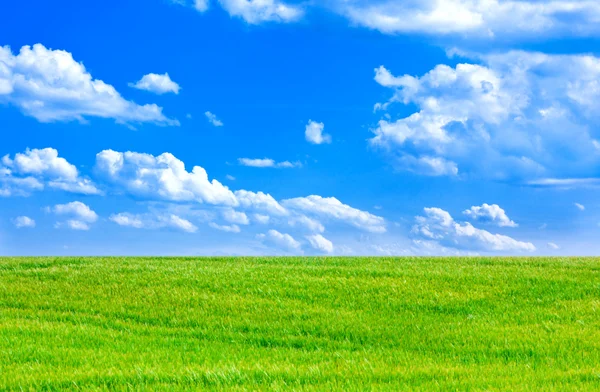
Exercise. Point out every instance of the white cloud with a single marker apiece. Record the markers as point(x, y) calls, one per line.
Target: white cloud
point(23, 221)
point(33, 169)
point(233, 216)
point(580, 207)
point(476, 19)
point(260, 201)
point(314, 133)
point(77, 210)
point(81, 215)
point(157, 84)
point(309, 223)
point(73, 225)
point(259, 11)
point(153, 221)
point(513, 116)
point(262, 219)
point(266, 162)
point(438, 225)
point(490, 213)
point(230, 177)
point(163, 176)
point(332, 208)
point(213, 119)
point(281, 240)
point(553, 246)
point(50, 85)
point(201, 5)
point(320, 243)
point(226, 228)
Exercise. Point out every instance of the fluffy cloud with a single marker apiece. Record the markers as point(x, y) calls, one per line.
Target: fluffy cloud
point(332, 208)
point(164, 176)
point(314, 133)
point(23, 221)
point(213, 119)
point(266, 162)
point(552, 245)
point(259, 11)
point(285, 241)
point(476, 18)
point(81, 215)
point(490, 213)
point(517, 115)
point(233, 216)
point(260, 201)
point(225, 228)
point(320, 243)
point(157, 84)
point(438, 226)
point(36, 168)
point(50, 85)
point(309, 223)
point(153, 221)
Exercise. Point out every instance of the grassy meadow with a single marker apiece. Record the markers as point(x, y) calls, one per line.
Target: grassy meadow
point(350, 324)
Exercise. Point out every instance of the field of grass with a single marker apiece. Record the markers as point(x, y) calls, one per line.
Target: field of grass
point(299, 323)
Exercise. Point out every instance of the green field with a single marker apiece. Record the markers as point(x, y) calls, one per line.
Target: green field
point(299, 324)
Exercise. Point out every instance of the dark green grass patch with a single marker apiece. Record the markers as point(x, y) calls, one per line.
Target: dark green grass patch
point(299, 323)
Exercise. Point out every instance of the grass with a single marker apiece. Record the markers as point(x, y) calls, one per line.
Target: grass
point(300, 323)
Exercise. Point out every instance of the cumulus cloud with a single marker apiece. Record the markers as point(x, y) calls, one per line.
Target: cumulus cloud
point(213, 119)
point(260, 201)
point(314, 133)
point(233, 216)
point(306, 222)
point(514, 116)
point(262, 219)
point(285, 241)
point(23, 222)
point(266, 162)
point(36, 168)
point(81, 215)
point(438, 226)
point(157, 84)
point(50, 85)
point(490, 213)
point(153, 221)
point(476, 19)
point(164, 176)
point(226, 228)
point(552, 245)
point(320, 243)
point(332, 208)
point(259, 11)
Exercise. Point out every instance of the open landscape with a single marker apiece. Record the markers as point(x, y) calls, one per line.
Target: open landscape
point(300, 323)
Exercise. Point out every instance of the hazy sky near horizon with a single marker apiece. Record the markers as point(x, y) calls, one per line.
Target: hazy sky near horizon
point(267, 127)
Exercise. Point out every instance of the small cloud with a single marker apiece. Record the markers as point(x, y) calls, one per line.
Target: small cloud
point(157, 84)
point(23, 222)
point(229, 229)
point(230, 177)
point(314, 133)
point(543, 226)
point(267, 162)
point(553, 245)
point(581, 207)
point(213, 119)
point(490, 214)
point(188, 116)
point(378, 207)
point(320, 243)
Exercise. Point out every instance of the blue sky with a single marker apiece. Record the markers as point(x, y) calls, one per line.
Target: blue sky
point(267, 127)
